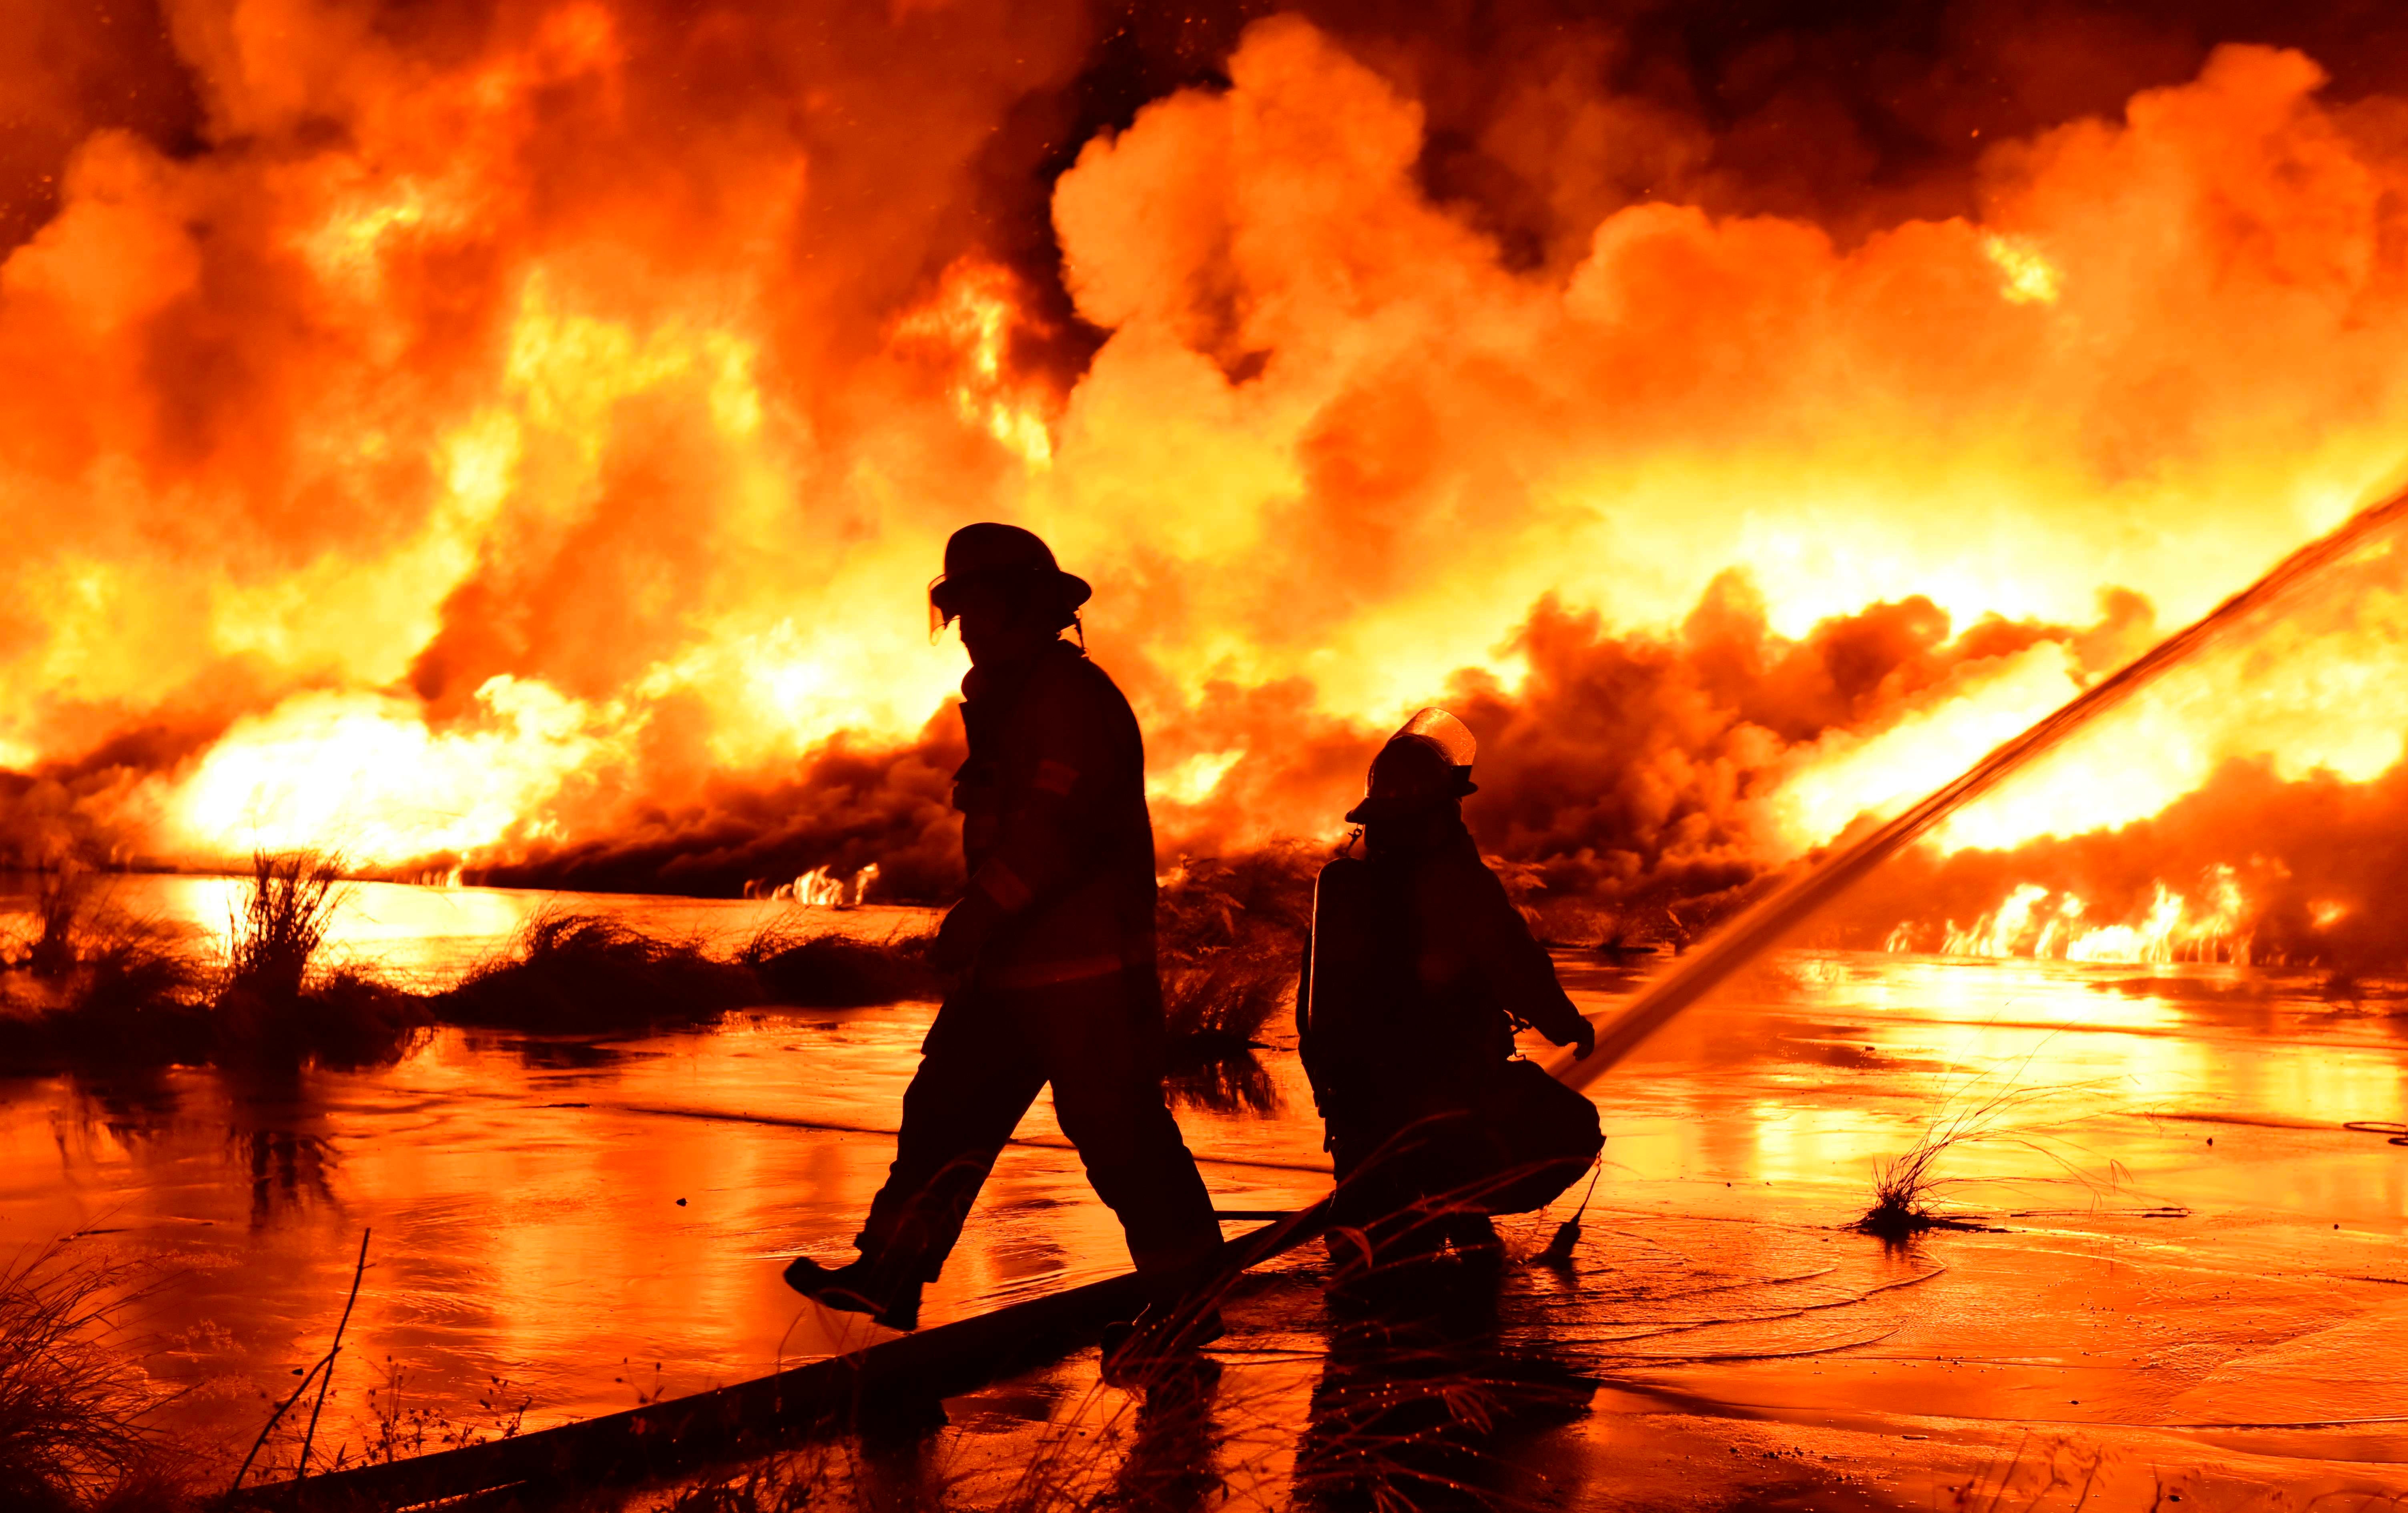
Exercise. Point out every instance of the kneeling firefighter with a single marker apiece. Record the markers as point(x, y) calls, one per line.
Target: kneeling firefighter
point(1417, 973)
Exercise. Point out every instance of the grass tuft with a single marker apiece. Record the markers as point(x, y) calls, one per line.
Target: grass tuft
point(281, 923)
point(1906, 1187)
point(277, 1003)
point(815, 969)
point(1222, 1005)
point(62, 894)
point(74, 1410)
point(94, 986)
point(566, 972)
point(1902, 1191)
point(1230, 934)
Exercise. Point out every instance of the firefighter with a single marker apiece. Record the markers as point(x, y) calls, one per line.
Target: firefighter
point(1053, 944)
point(1418, 970)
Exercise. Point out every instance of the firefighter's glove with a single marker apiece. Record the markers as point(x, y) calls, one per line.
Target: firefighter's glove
point(1584, 1042)
point(967, 926)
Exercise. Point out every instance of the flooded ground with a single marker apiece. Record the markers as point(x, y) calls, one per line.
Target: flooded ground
point(2194, 1288)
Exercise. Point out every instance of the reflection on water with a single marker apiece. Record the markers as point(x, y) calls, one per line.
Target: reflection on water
point(595, 1221)
point(1424, 1400)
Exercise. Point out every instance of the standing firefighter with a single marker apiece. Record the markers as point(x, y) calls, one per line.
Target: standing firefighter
point(1054, 942)
point(1418, 971)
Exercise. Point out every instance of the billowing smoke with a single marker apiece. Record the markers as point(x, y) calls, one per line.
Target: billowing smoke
point(515, 436)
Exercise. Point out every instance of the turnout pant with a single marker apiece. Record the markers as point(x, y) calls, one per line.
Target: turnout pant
point(1098, 1040)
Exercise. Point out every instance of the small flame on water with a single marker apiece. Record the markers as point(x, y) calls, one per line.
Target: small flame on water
point(822, 889)
point(2214, 927)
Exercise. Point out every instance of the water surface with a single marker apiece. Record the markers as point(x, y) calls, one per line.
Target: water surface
point(2191, 1248)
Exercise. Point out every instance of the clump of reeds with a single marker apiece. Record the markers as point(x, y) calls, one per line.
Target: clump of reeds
point(60, 895)
point(818, 969)
point(95, 986)
point(1221, 1004)
point(1230, 934)
point(1906, 1186)
point(566, 972)
point(1213, 1015)
point(358, 1019)
point(282, 922)
point(75, 1408)
point(1902, 1190)
point(1226, 1084)
point(1211, 903)
point(276, 1001)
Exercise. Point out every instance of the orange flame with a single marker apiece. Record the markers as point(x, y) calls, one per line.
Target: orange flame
point(2172, 928)
point(460, 448)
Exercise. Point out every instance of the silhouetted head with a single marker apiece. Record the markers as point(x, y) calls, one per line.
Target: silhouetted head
point(1421, 775)
point(1002, 584)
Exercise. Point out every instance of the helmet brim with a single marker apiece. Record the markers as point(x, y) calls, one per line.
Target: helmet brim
point(1373, 808)
point(945, 588)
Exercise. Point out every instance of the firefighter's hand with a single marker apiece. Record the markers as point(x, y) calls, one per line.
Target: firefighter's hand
point(964, 931)
point(1584, 1042)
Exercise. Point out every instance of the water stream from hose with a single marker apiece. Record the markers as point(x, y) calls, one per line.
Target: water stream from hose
point(1770, 921)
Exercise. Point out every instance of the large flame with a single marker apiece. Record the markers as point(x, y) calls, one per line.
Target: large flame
point(472, 443)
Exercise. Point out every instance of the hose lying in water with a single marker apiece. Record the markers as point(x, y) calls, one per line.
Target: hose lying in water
point(1765, 925)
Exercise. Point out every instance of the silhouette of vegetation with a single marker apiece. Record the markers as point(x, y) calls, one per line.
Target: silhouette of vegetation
point(75, 1408)
point(1906, 1186)
point(91, 984)
point(1230, 935)
point(61, 896)
point(820, 970)
point(282, 922)
point(1902, 1192)
point(1222, 1005)
point(274, 1001)
point(86, 986)
point(98, 988)
point(1261, 898)
point(567, 972)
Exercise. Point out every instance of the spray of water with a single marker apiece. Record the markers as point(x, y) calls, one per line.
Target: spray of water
point(1774, 917)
